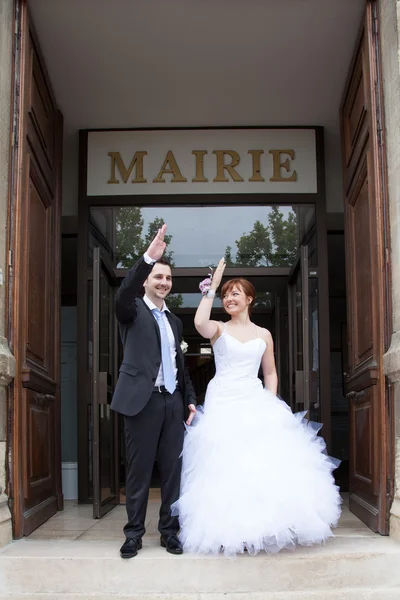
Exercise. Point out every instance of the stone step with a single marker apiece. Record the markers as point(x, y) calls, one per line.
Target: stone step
point(347, 594)
point(342, 569)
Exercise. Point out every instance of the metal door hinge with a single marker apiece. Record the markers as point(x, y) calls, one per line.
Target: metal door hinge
point(375, 22)
point(375, 25)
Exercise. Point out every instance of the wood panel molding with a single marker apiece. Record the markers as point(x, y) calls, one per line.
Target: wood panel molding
point(37, 380)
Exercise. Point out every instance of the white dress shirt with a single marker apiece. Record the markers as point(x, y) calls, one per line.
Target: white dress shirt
point(171, 339)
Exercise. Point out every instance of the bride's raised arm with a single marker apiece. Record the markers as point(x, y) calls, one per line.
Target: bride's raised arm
point(202, 322)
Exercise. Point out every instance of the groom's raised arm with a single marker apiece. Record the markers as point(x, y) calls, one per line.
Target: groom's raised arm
point(132, 285)
point(130, 288)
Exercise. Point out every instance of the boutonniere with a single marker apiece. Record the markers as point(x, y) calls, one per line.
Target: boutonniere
point(184, 346)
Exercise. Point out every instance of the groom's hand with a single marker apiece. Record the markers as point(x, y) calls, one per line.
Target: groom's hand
point(157, 246)
point(193, 411)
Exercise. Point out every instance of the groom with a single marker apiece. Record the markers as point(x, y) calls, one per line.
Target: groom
point(153, 392)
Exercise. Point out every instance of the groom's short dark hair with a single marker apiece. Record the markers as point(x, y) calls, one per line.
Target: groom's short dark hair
point(163, 261)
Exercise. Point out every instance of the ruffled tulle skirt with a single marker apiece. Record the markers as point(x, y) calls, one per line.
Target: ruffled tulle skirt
point(255, 477)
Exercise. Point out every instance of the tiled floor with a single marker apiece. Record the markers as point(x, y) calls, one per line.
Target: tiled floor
point(75, 522)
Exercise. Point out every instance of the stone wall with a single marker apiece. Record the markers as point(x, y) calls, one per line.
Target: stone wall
point(7, 362)
point(390, 45)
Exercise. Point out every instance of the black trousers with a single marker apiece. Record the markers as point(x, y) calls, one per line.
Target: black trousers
point(156, 433)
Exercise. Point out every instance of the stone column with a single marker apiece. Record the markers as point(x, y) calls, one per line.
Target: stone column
point(390, 45)
point(7, 361)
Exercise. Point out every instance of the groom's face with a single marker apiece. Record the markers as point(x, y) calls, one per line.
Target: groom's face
point(159, 282)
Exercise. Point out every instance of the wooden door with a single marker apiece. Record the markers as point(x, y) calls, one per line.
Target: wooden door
point(35, 485)
point(367, 283)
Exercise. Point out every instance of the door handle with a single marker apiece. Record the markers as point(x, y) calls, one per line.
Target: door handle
point(44, 400)
point(299, 387)
point(355, 395)
point(105, 389)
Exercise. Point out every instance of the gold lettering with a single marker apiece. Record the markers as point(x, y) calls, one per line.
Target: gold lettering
point(278, 165)
point(199, 154)
point(173, 169)
point(255, 155)
point(137, 160)
point(221, 166)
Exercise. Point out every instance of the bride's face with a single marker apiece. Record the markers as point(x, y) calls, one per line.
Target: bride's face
point(235, 301)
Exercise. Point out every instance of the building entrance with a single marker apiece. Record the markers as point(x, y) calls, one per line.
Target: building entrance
point(213, 181)
point(276, 251)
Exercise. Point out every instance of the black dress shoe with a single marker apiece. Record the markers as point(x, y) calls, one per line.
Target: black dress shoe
point(130, 547)
point(172, 544)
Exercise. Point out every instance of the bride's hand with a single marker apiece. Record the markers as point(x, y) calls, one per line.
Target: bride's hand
point(217, 276)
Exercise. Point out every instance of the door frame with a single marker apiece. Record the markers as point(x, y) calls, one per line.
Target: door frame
point(99, 382)
point(299, 267)
point(86, 202)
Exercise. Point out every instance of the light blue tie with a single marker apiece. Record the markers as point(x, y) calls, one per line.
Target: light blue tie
point(167, 366)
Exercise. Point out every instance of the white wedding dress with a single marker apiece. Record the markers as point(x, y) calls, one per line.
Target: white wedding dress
point(255, 476)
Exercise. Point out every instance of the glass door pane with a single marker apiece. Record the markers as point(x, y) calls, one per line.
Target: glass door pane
point(105, 485)
point(304, 347)
point(313, 337)
point(299, 333)
point(197, 237)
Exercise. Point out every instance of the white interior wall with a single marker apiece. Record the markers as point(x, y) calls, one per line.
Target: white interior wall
point(185, 63)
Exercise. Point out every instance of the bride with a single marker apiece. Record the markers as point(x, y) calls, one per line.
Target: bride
point(255, 476)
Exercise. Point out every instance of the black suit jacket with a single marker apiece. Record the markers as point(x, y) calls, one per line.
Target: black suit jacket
point(141, 340)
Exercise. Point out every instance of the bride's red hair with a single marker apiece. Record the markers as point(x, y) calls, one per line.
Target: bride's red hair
point(247, 287)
